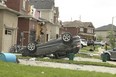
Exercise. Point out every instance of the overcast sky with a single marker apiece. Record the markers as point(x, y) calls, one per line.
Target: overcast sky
point(99, 12)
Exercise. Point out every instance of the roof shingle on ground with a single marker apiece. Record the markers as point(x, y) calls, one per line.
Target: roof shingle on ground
point(42, 4)
point(106, 28)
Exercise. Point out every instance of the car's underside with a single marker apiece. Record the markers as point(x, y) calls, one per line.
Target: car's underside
point(59, 47)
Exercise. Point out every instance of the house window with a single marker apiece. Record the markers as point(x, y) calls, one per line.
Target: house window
point(8, 32)
point(24, 4)
point(39, 14)
point(81, 30)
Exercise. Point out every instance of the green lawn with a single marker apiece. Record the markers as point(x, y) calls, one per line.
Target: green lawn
point(86, 49)
point(17, 70)
point(88, 56)
point(85, 53)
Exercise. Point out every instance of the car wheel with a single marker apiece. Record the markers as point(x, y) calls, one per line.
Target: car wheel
point(67, 37)
point(31, 47)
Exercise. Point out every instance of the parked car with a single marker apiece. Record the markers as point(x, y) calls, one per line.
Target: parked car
point(83, 43)
point(99, 43)
point(58, 47)
point(90, 42)
point(110, 54)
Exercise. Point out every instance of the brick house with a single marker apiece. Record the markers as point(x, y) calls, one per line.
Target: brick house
point(83, 29)
point(27, 22)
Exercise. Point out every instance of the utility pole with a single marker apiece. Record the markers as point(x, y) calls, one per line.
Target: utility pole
point(71, 18)
point(112, 30)
point(112, 23)
point(80, 17)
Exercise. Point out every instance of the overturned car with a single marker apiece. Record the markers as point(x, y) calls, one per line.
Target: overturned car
point(60, 47)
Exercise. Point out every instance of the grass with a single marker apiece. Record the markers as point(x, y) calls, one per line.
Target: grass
point(17, 70)
point(85, 53)
point(87, 56)
point(87, 49)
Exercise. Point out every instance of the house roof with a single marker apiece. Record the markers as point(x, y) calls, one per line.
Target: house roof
point(77, 24)
point(42, 4)
point(29, 16)
point(44, 20)
point(73, 24)
point(88, 24)
point(8, 9)
point(106, 28)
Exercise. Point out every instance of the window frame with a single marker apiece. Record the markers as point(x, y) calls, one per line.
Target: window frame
point(81, 29)
point(8, 31)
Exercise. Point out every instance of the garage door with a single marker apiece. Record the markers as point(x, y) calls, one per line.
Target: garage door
point(7, 40)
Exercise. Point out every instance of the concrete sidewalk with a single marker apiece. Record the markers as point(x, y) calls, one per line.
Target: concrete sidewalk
point(70, 66)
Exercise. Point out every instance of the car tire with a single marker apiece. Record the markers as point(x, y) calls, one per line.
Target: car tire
point(67, 38)
point(31, 47)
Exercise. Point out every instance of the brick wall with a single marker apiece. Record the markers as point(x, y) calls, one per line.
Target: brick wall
point(23, 26)
point(13, 4)
point(18, 5)
point(74, 31)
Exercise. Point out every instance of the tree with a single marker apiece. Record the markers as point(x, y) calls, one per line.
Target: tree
point(111, 39)
point(99, 38)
